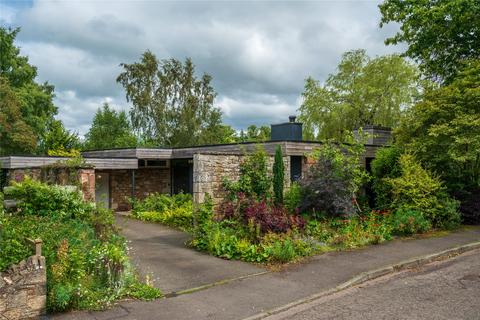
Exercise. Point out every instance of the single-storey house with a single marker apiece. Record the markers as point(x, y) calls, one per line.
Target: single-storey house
point(115, 175)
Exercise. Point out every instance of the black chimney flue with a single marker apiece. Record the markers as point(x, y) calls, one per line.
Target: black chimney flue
point(288, 131)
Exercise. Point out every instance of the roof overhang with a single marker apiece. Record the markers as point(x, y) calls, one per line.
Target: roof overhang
point(21, 162)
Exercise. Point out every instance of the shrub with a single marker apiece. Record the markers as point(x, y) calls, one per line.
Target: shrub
point(278, 176)
point(333, 181)
point(385, 165)
point(293, 197)
point(87, 264)
point(285, 247)
point(417, 189)
point(408, 222)
point(40, 199)
point(271, 218)
point(470, 207)
point(254, 180)
point(175, 211)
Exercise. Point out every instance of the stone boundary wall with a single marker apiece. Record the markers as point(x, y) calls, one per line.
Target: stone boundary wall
point(23, 290)
point(84, 178)
point(209, 169)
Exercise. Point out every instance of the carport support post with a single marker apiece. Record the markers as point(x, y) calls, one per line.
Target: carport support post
point(133, 184)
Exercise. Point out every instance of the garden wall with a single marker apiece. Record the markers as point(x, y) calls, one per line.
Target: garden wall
point(209, 169)
point(82, 177)
point(147, 181)
point(23, 290)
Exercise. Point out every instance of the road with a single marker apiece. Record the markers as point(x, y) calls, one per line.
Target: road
point(443, 290)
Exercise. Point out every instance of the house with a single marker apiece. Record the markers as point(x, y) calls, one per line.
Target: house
point(113, 176)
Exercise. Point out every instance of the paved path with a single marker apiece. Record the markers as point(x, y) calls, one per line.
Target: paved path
point(250, 296)
point(161, 253)
point(442, 291)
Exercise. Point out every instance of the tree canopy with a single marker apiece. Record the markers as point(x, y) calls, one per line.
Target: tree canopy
point(110, 129)
point(443, 130)
point(440, 34)
point(27, 111)
point(171, 106)
point(363, 91)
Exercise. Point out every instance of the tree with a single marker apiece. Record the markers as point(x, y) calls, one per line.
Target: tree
point(363, 91)
point(171, 107)
point(440, 34)
point(278, 176)
point(444, 129)
point(59, 141)
point(110, 129)
point(16, 137)
point(35, 100)
point(255, 134)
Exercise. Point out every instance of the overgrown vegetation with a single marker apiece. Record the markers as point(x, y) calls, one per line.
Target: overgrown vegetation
point(87, 264)
point(175, 211)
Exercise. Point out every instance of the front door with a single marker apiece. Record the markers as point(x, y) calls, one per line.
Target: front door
point(182, 176)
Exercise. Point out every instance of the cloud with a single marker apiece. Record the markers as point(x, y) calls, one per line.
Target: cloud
point(259, 53)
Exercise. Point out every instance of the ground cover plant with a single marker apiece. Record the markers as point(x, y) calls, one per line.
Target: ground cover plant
point(87, 263)
point(322, 213)
point(175, 211)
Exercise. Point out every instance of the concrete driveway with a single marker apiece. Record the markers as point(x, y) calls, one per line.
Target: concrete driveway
point(161, 253)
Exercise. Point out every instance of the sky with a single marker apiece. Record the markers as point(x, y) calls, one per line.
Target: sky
point(258, 53)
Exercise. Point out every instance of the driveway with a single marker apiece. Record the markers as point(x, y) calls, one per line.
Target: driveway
point(161, 253)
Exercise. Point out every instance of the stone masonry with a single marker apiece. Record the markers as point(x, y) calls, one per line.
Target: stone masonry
point(209, 169)
point(82, 177)
point(23, 290)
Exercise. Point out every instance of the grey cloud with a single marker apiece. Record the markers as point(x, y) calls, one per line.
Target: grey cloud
point(259, 53)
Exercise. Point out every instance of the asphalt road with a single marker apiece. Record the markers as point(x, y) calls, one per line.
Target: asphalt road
point(442, 290)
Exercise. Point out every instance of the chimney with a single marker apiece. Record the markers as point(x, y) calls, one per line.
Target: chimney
point(287, 131)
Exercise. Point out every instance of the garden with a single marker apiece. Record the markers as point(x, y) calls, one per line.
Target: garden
point(328, 209)
point(86, 258)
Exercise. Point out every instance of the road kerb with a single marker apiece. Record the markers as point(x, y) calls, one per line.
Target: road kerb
point(373, 274)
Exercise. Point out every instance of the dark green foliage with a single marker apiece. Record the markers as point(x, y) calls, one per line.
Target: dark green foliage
point(26, 107)
point(40, 199)
point(110, 129)
point(255, 134)
point(385, 165)
point(440, 34)
point(442, 131)
point(293, 197)
point(470, 207)
point(254, 180)
point(333, 181)
point(407, 222)
point(278, 176)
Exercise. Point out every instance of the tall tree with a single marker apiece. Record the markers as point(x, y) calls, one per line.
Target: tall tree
point(443, 130)
point(171, 106)
point(278, 176)
point(16, 137)
point(363, 91)
point(59, 141)
point(440, 34)
point(110, 129)
point(255, 134)
point(35, 100)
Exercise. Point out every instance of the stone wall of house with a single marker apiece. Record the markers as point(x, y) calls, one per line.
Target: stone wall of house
point(23, 290)
point(147, 181)
point(209, 169)
point(84, 178)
